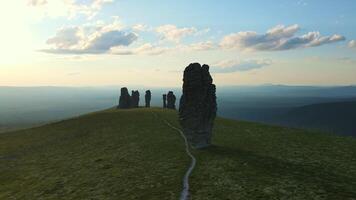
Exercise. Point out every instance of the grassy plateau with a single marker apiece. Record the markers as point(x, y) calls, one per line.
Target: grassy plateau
point(132, 154)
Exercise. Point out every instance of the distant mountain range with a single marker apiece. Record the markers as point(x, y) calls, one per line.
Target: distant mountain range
point(272, 104)
point(291, 91)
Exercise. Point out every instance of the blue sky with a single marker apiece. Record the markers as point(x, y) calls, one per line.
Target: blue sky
point(117, 42)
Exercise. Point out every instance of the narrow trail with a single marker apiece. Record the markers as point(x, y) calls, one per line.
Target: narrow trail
point(185, 192)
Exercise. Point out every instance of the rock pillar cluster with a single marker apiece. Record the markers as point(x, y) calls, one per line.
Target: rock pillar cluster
point(126, 101)
point(169, 100)
point(197, 107)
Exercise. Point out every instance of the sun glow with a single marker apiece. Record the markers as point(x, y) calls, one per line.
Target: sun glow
point(15, 36)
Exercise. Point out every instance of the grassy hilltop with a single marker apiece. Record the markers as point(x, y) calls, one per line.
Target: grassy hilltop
point(131, 154)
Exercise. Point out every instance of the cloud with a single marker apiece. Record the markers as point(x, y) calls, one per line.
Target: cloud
point(203, 46)
point(88, 9)
point(352, 44)
point(145, 49)
point(150, 49)
point(37, 2)
point(66, 38)
point(140, 27)
point(231, 66)
point(90, 39)
point(202, 32)
point(278, 38)
point(102, 38)
point(70, 8)
point(103, 42)
point(172, 33)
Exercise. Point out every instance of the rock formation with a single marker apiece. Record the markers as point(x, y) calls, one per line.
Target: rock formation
point(164, 101)
point(125, 99)
point(148, 98)
point(171, 100)
point(197, 107)
point(135, 99)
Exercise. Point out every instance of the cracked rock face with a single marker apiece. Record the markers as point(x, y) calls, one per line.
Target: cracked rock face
point(148, 99)
point(171, 100)
point(197, 107)
point(135, 99)
point(125, 99)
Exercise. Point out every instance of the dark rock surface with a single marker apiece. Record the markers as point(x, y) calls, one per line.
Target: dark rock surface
point(148, 98)
point(171, 100)
point(125, 99)
point(198, 107)
point(135, 99)
point(164, 101)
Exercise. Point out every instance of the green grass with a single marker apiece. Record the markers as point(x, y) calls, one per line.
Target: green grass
point(15, 127)
point(130, 154)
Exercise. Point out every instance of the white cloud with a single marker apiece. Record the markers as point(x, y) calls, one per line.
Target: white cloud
point(69, 8)
point(202, 32)
point(90, 39)
point(100, 38)
point(150, 49)
point(90, 10)
point(172, 33)
point(352, 44)
point(140, 27)
point(37, 2)
point(66, 38)
point(102, 42)
point(111, 38)
point(145, 49)
point(231, 66)
point(277, 39)
point(202, 46)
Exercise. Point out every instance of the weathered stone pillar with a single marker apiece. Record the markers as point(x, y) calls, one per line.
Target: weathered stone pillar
point(125, 99)
point(197, 110)
point(164, 101)
point(135, 99)
point(148, 99)
point(171, 100)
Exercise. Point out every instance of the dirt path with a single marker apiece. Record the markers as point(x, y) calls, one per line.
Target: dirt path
point(185, 192)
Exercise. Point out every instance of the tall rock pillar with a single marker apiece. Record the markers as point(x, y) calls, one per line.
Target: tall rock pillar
point(164, 101)
point(135, 98)
point(125, 99)
point(148, 98)
point(171, 100)
point(197, 106)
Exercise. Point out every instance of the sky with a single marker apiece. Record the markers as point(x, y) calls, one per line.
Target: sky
point(149, 43)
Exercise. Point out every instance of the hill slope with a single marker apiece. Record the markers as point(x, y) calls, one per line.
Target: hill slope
point(338, 117)
point(130, 154)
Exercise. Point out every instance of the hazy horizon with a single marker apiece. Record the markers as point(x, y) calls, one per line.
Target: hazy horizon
point(29, 106)
point(177, 86)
